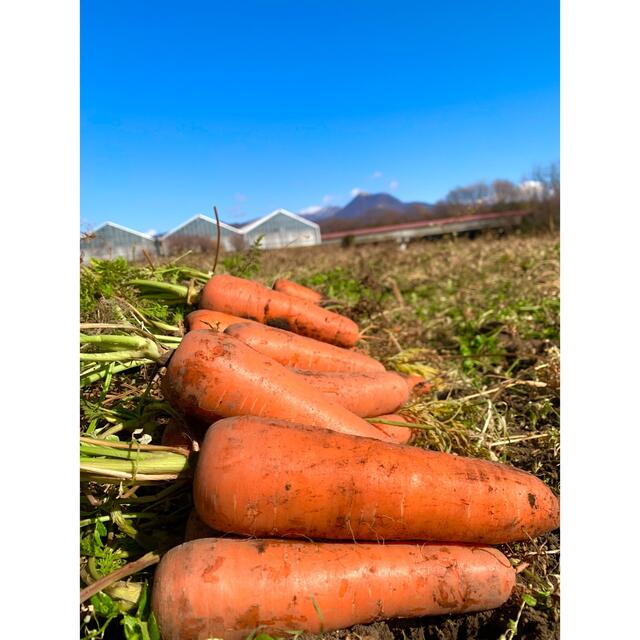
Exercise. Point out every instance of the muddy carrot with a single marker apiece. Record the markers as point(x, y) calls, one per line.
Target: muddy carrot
point(365, 394)
point(297, 290)
point(328, 485)
point(301, 352)
point(217, 588)
point(249, 299)
point(215, 320)
point(213, 374)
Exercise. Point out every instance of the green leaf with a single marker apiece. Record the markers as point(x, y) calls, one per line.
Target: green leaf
point(134, 629)
point(152, 626)
point(530, 600)
point(104, 606)
point(143, 602)
point(101, 530)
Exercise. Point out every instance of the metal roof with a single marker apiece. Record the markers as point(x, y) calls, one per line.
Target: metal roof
point(256, 223)
point(123, 228)
point(199, 216)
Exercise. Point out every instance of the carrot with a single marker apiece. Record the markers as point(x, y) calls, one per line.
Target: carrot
point(213, 374)
point(206, 319)
point(418, 386)
point(249, 299)
point(322, 484)
point(365, 394)
point(297, 290)
point(297, 351)
point(400, 435)
point(217, 588)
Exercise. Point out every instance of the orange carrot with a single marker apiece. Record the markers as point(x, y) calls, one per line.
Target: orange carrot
point(213, 374)
point(365, 394)
point(206, 319)
point(400, 435)
point(297, 290)
point(217, 588)
point(418, 386)
point(293, 350)
point(322, 484)
point(249, 299)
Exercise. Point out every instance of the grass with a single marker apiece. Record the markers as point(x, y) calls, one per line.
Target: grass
point(479, 318)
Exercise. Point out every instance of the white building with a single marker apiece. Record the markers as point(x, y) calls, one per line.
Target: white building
point(278, 229)
point(200, 233)
point(281, 228)
point(111, 240)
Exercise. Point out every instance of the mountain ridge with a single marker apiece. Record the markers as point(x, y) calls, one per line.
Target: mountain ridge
point(369, 205)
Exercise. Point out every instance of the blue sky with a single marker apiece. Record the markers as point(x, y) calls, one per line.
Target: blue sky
point(257, 105)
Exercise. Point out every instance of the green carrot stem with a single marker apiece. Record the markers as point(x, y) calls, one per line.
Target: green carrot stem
point(163, 326)
point(168, 339)
point(101, 370)
point(138, 465)
point(106, 476)
point(117, 356)
point(121, 348)
point(173, 292)
point(116, 444)
point(124, 454)
point(155, 465)
point(155, 286)
point(111, 341)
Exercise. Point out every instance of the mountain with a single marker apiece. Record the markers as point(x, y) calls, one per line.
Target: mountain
point(322, 213)
point(369, 210)
point(370, 202)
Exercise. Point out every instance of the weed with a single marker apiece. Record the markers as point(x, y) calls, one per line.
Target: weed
point(244, 264)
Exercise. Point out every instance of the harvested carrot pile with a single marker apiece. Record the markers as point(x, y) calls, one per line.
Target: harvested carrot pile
point(318, 504)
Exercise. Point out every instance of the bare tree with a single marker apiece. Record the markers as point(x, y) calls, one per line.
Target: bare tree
point(547, 202)
point(469, 199)
point(504, 191)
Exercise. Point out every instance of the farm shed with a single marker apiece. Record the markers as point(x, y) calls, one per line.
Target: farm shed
point(281, 228)
point(200, 233)
point(111, 240)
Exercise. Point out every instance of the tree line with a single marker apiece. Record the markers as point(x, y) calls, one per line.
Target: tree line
point(538, 193)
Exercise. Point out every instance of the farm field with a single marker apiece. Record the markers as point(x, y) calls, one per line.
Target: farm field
point(478, 318)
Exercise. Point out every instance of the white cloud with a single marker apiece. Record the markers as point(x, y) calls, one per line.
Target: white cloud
point(151, 232)
point(376, 175)
point(393, 185)
point(356, 192)
point(531, 188)
point(310, 210)
point(327, 199)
